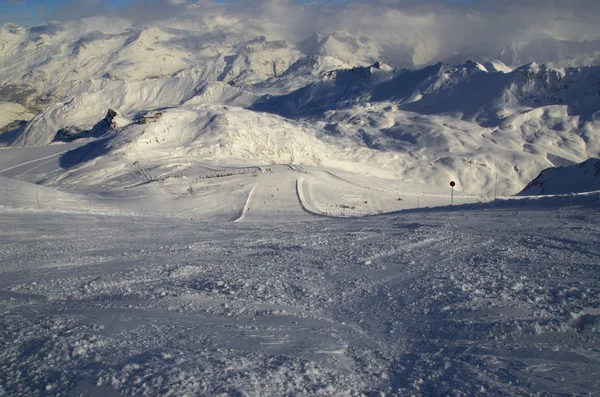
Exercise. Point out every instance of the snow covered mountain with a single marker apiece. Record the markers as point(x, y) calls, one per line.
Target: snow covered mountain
point(510, 123)
point(468, 91)
point(578, 178)
point(332, 98)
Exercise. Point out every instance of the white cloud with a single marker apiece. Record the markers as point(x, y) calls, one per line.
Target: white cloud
point(432, 29)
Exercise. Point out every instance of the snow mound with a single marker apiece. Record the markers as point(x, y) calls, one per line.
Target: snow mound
point(16, 193)
point(219, 132)
point(578, 178)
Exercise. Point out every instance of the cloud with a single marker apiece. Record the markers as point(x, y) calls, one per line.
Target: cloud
point(438, 30)
point(432, 29)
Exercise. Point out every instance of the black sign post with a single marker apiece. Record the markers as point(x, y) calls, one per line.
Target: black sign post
point(452, 193)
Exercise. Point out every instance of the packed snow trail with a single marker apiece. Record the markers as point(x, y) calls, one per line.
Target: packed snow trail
point(500, 300)
point(275, 197)
point(19, 161)
point(220, 187)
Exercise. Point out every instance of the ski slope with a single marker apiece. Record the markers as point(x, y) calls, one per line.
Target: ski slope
point(275, 196)
point(495, 299)
point(30, 161)
point(220, 190)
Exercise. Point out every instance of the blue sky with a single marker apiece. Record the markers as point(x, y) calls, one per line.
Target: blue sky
point(31, 12)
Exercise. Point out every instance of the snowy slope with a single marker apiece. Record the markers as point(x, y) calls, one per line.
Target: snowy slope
point(11, 114)
point(468, 91)
point(150, 177)
point(489, 126)
point(583, 177)
point(19, 194)
point(91, 99)
point(499, 299)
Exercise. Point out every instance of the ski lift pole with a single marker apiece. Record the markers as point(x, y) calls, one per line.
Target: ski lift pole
point(496, 186)
point(452, 192)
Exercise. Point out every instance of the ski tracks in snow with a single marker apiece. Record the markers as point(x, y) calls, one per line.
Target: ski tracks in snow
point(493, 301)
point(276, 197)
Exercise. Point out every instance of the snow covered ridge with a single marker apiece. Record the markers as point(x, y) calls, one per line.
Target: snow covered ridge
point(38, 65)
point(354, 133)
point(578, 178)
point(468, 90)
point(328, 95)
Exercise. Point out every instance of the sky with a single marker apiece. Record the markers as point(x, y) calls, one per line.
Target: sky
point(32, 12)
point(429, 30)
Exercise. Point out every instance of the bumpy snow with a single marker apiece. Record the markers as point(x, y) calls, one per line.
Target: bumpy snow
point(176, 277)
point(495, 300)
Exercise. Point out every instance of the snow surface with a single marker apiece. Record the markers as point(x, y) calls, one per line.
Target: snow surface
point(583, 177)
point(331, 99)
point(220, 190)
point(494, 299)
point(11, 112)
point(181, 277)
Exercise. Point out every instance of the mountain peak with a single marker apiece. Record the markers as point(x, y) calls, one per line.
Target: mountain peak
point(471, 65)
point(497, 66)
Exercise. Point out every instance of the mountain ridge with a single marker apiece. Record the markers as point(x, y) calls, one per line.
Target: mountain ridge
point(470, 121)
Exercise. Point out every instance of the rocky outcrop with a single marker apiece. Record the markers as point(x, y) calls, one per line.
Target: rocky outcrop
point(71, 133)
point(149, 118)
point(110, 119)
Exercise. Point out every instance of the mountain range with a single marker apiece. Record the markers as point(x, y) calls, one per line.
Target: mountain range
point(216, 87)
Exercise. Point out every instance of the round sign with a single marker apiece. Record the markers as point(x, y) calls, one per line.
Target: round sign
point(452, 183)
